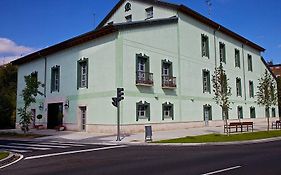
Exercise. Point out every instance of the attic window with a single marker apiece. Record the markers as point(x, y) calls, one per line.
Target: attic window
point(149, 12)
point(128, 18)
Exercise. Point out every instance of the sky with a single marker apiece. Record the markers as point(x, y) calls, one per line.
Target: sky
point(30, 25)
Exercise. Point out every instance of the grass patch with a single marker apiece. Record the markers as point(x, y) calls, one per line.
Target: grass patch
point(18, 135)
point(224, 138)
point(3, 155)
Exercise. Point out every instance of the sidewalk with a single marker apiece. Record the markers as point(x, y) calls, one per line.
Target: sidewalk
point(84, 137)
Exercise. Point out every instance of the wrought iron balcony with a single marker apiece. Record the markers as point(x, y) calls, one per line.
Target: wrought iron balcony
point(169, 82)
point(144, 78)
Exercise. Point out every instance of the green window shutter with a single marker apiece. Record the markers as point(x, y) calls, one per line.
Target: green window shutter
point(52, 80)
point(202, 45)
point(148, 111)
point(87, 64)
point(207, 45)
point(171, 69)
point(224, 54)
point(209, 82)
point(137, 107)
point(163, 106)
point(147, 65)
point(211, 115)
point(172, 111)
point(58, 69)
point(78, 75)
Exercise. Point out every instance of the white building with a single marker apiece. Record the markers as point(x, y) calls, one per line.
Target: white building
point(162, 54)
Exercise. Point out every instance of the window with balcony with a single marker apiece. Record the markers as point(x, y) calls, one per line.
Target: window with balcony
point(251, 89)
point(205, 45)
point(240, 112)
point(237, 58)
point(222, 52)
point(143, 75)
point(142, 111)
point(168, 81)
point(167, 111)
point(250, 63)
point(238, 87)
point(82, 73)
point(252, 112)
point(206, 81)
point(55, 79)
point(149, 13)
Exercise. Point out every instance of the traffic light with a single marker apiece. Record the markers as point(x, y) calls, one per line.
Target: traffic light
point(114, 101)
point(120, 93)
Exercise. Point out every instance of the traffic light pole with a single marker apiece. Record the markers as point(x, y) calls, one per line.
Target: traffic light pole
point(118, 122)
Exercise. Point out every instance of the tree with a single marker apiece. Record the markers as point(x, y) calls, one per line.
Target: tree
point(266, 94)
point(8, 91)
point(28, 94)
point(279, 95)
point(222, 91)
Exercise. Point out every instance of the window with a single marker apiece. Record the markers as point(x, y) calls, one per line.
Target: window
point(167, 111)
point(82, 73)
point(250, 63)
point(252, 112)
point(207, 112)
point(240, 112)
point(205, 45)
point(149, 12)
point(168, 81)
point(222, 52)
point(34, 75)
point(143, 76)
point(128, 18)
point(55, 79)
point(143, 111)
point(237, 58)
point(238, 87)
point(206, 82)
point(267, 114)
point(251, 89)
point(273, 112)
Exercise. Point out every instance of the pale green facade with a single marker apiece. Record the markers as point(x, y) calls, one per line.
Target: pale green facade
point(112, 64)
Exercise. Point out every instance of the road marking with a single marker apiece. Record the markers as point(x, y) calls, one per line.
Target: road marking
point(223, 170)
point(62, 144)
point(39, 145)
point(21, 156)
point(18, 151)
point(23, 147)
point(74, 152)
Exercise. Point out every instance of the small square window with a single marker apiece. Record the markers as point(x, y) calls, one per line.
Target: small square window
point(149, 12)
point(143, 111)
point(129, 18)
point(167, 111)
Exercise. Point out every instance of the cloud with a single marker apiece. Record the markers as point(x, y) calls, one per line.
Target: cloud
point(8, 59)
point(9, 47)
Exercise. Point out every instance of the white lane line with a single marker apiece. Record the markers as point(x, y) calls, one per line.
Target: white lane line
point(62, 144)
point(39, 145)
point(23, 147)
point(17, 150)
point(74, 152)
point(21, 156)
point(223, 170)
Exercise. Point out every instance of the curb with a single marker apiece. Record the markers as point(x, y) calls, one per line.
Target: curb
point(11, 159)
point(217, 143)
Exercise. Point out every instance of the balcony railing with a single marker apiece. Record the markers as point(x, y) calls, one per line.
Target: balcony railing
point(169, 82)
point(144, 78)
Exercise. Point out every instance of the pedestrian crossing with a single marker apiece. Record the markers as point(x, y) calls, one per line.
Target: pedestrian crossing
point(25, 147)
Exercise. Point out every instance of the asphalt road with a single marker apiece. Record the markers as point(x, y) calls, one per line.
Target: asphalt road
point(256, 159)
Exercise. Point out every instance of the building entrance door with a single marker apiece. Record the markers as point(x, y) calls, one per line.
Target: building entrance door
point(55, 115)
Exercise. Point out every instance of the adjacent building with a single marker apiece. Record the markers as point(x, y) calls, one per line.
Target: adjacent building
point(162, 54)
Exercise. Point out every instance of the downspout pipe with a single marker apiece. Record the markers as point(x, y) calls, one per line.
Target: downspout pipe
point(215, 44)
point(244, 71)
point(45, 72)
